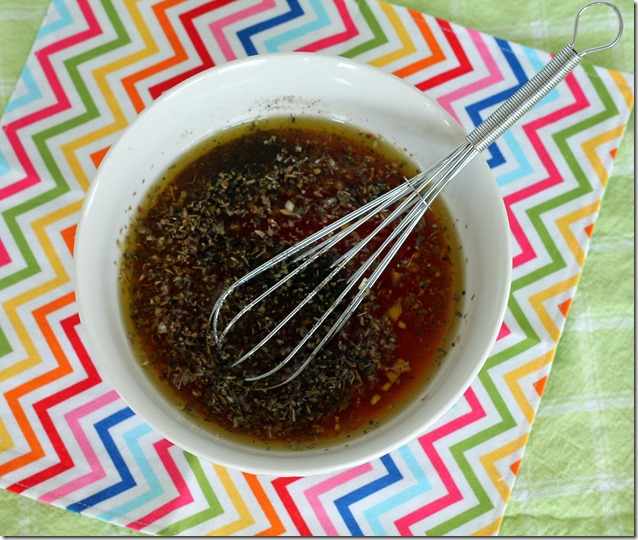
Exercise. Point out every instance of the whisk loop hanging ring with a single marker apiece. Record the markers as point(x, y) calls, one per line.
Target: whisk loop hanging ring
point(408, 203)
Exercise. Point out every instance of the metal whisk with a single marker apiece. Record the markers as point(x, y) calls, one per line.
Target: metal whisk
point(412, 200)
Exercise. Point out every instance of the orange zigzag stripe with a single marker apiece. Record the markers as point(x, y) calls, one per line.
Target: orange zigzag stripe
point(432, 43)
point(276, 526)
point(179, 56)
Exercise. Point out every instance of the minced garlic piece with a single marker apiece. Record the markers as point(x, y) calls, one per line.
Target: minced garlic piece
point(395, 311)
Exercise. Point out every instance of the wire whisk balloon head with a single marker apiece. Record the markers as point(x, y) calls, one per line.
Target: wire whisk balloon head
point(290, 307)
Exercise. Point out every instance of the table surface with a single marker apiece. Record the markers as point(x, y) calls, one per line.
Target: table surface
point(577, 476)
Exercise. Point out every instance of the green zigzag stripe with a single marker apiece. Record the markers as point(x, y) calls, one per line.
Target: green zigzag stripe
point(379, 36)
point(458, 451)
point(214, 506)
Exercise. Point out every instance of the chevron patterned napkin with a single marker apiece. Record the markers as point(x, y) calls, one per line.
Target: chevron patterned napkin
point(68, 439)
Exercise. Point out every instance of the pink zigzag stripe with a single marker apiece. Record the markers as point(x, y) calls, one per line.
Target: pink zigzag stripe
point(314, 493)
point(495, 76)
point(97, 471)
point(503, 332)
point(5, 258)
point(427, 443)
point(217, 27)
point(183, 498)
point(554, 177)
point(350, 31)
point(31, 177)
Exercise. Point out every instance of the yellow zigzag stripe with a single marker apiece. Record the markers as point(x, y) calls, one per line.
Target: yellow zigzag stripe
point(515, 375)
point(100, 75)
point(624, 88)
point(590, 151)
point(12, 305)
point(245, 518)
point(489, 530)
point(489, 460)
point(407, 45)
point(537, 301)
point(489, 463)
point(564, 226)
point(6, 442)
point(564, 223)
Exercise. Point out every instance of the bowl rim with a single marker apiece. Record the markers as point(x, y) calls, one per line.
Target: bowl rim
point(280, 467)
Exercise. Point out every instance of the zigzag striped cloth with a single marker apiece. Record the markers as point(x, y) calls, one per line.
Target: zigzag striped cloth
point(68, 439)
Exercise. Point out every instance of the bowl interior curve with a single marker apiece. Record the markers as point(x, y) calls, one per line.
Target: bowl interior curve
point(275, 85)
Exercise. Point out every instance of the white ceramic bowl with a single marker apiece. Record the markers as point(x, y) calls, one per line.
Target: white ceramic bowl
point(283, 84)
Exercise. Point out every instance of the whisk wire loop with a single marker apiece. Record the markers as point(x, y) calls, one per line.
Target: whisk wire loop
point(418, 204)
point(412, 207)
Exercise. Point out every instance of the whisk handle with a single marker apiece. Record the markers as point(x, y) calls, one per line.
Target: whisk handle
point(524, 99)
point(537, 87)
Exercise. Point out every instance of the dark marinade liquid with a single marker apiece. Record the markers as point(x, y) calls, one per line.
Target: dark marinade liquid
point(232, 205)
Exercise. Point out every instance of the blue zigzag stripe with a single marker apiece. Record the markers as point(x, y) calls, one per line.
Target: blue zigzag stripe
point(411, 492)
point(343, 503)
point(245, 35)
point(32, 91)
point(524, 167)
point(474, 110)
point(4, 165)
point(26, 77)
point(64, 19)
point(274, 43)
point(127, 481)
point(154, 490)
